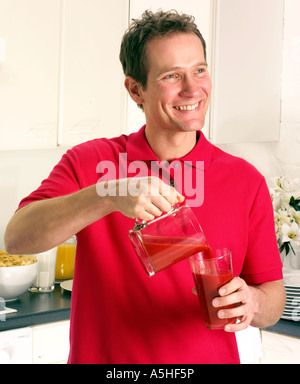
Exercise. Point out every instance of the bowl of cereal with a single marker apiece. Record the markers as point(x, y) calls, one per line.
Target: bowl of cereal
point(17, 273)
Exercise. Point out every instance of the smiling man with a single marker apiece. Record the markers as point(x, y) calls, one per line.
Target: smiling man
point(176, 97)
point(118, 314)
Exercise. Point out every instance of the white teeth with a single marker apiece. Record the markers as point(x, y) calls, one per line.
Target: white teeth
point(187, 107)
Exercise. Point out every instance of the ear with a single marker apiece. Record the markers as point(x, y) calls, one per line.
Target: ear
point(134, 90)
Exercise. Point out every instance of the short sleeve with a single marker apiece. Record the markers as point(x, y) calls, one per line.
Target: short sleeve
point(63, 180)
point(262, 262)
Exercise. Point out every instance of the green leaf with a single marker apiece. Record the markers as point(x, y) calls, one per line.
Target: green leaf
point(293, 249)
point(295, 203)
point(285, 247)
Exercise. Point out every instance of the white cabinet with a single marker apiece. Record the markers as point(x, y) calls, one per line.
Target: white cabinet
point(92, 93)
point(29, 64)
point(244, 40)
point(16, 346)
point(247, 68)
point(50, 343)
point(39, 344)
point(61, 81)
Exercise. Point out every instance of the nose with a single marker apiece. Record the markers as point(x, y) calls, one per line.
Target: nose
point(190, 87)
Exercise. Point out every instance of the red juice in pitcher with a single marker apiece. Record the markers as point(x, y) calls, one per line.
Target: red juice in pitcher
point(168, 239)
point(164, 252)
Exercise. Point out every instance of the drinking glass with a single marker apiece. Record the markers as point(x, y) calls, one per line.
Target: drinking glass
point(45, 278)
point(65, 261)
point(210, 274)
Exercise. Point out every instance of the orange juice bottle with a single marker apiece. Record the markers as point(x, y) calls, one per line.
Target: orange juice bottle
point(65, 261)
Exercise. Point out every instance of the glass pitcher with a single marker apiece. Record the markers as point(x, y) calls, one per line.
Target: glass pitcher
point(168, 239)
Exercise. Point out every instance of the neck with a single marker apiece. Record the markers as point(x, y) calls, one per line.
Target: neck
point(168, 146)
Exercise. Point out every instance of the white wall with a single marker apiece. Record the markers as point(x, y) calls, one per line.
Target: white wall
point(22, 171)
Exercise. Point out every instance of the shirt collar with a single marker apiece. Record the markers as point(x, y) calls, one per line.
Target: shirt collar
point(137, 148)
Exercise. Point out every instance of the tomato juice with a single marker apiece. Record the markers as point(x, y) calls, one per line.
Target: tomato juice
point(207, 285)
point(163, 252)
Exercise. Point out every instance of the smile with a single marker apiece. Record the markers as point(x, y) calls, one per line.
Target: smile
point(187, 107)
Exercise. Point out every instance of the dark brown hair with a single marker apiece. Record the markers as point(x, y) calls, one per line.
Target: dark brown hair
point(133, 53)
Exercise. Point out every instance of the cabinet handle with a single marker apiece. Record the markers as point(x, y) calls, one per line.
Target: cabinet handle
point(87, 126)
point(41, 130)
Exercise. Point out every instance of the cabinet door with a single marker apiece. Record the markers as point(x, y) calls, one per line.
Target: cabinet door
point(29, 64)
point(199, 9)
point(245, 104)
point(50, 343)
point(92, 82)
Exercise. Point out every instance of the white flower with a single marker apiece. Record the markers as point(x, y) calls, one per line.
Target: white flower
point(280, 217)
point(286, 184)
point(276, 198)
point(290, 185)
point(290, 233)
point(285, 200)
point(296, 216)
point(285, 194)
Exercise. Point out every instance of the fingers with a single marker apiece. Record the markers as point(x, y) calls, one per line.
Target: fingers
point(146, 209)
point(241, 313)
point(169, 193)
point(156, 197)
point(235, 302)
point(144, 198)
point(237, 295)
point(235, 284)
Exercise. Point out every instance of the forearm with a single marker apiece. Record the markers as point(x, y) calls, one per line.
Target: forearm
point(269, 299)
point(44, 224)
point(259, 305)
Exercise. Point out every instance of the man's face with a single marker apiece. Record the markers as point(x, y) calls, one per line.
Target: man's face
point(178, 88)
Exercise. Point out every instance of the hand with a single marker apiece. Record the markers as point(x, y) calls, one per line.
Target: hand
point(239, 293)
point(144, 198)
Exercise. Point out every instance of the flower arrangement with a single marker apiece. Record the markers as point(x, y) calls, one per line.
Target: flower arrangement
point(286, 204)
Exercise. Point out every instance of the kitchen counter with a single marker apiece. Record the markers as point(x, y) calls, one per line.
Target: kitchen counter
point(38, 308)
point(286, 327)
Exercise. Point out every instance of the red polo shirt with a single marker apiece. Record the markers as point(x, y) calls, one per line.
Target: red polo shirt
point(118, 313)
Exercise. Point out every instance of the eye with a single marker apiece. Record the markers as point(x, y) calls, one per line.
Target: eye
point(200, 70)
point(170, 76)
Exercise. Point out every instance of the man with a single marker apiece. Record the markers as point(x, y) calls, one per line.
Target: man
point(118, 314)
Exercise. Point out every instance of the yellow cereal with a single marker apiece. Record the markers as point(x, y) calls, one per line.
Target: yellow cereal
point(7, 260)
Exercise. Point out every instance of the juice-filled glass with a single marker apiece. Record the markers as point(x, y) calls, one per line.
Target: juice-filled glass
point(65, 262)
point(168, 239)
point(210, 274)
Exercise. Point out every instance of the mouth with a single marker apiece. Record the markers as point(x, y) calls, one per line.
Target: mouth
point(187, 107)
